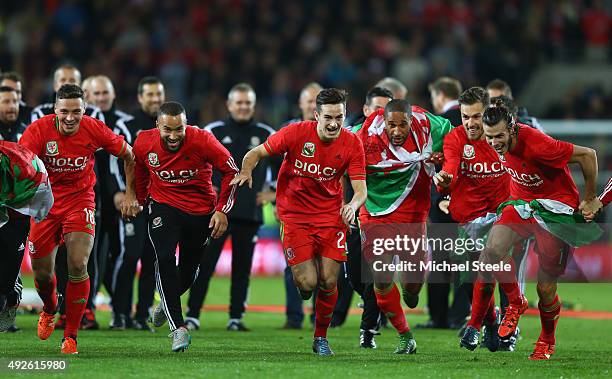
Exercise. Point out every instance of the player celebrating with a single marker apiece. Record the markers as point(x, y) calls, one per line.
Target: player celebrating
point(24, 189)
point(174, 170)
point(544, 203)
point(67, 142)
point(398, 145)
point(317, 154)
point(604, 199)
point(477, 183)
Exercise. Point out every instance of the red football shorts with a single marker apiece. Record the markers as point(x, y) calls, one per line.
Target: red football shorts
point(302, 242)
point(552, 252)
point(381, 240)
point(49, 233)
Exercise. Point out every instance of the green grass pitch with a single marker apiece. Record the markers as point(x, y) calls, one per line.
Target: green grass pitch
point(584, 348)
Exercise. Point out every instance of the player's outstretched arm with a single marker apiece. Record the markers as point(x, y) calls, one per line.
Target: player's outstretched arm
point(250, 161)
point(359, 197)
point(587, 159)
point(130, 206)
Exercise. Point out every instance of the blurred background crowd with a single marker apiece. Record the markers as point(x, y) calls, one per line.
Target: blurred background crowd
point(201, 48)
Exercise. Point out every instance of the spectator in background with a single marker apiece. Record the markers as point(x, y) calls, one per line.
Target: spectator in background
point(498, 87)
point(136, 244)
point(444, 93)
point(239, 133)
point(13, 80)
point(395, 86)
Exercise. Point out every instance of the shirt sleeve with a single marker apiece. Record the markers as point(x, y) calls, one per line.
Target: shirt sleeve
point(114, 144)
point(31, 141)
point(278, 143)
point(452, 160)
point(141, 173)
point(222, 160)
point(606, 195)
point(356, 166)
point(547, 150)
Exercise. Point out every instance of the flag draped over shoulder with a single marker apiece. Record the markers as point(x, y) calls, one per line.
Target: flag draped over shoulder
point(558, 219)
point(391, 171)
point(24, 183)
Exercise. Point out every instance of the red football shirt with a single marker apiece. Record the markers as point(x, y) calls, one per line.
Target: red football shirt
point(308, 188)
point(480, 182)
point(69, 160)
point(606, 195)
point(183, 179)
point(538, 168)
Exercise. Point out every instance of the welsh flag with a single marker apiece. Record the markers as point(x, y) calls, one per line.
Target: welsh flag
point(24, 183)
point(392, 171)
point(558, 219)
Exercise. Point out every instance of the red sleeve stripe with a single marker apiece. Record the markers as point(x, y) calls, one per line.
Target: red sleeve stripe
point(357, 177)
point(268, 148)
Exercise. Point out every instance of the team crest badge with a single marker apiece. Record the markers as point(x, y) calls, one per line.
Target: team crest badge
point(52, 149)
point(289, 254)
point(308, 150)
point(156, 223)
point(255, 141)
point(153, 160)
point(468, 152)
point(31, 249)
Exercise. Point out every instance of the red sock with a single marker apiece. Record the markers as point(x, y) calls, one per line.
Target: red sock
point(77, 293)
point(549, 315)
point(482, 298)
point(46, 291)
point(391, 305)
point(324, 310)
point(508, 283)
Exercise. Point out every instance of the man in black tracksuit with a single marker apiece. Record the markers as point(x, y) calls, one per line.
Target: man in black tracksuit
point(14, 233)
point(239, 133)
point(136, 244)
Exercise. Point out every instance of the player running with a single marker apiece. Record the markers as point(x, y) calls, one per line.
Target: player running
point(543, 204)
point(24, 189)
point(477, 183)
point(309, 200)
point(66, 143)
point(398, 145)
point(174, 165)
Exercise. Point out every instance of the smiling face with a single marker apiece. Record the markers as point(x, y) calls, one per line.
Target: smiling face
point(151, 98)
point(330, 119)
point(101, 93)
point(397, 126)
point(69, 113)
point(471, 115)
point(172, 130)
point(499, 137)
point(241, 105)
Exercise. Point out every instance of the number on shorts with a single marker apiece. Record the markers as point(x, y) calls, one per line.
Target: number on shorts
point(340, 239)
point(90, 216)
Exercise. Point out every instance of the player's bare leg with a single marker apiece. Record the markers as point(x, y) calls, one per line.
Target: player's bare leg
point(79, 246)
point(305, 277)
point(550, 308)
point(44, 279)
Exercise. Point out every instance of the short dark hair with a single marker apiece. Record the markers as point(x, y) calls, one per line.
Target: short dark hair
point(11, 75)
point(331, 96)
point(69, 91)
point(377, 92)
point(147, 80)
point(474, 95)
point(496, 113)
point(398, 105)
point(507, 102)
point(450, 87)
point(500, 85)
point(171, 108)
point(7, 89)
